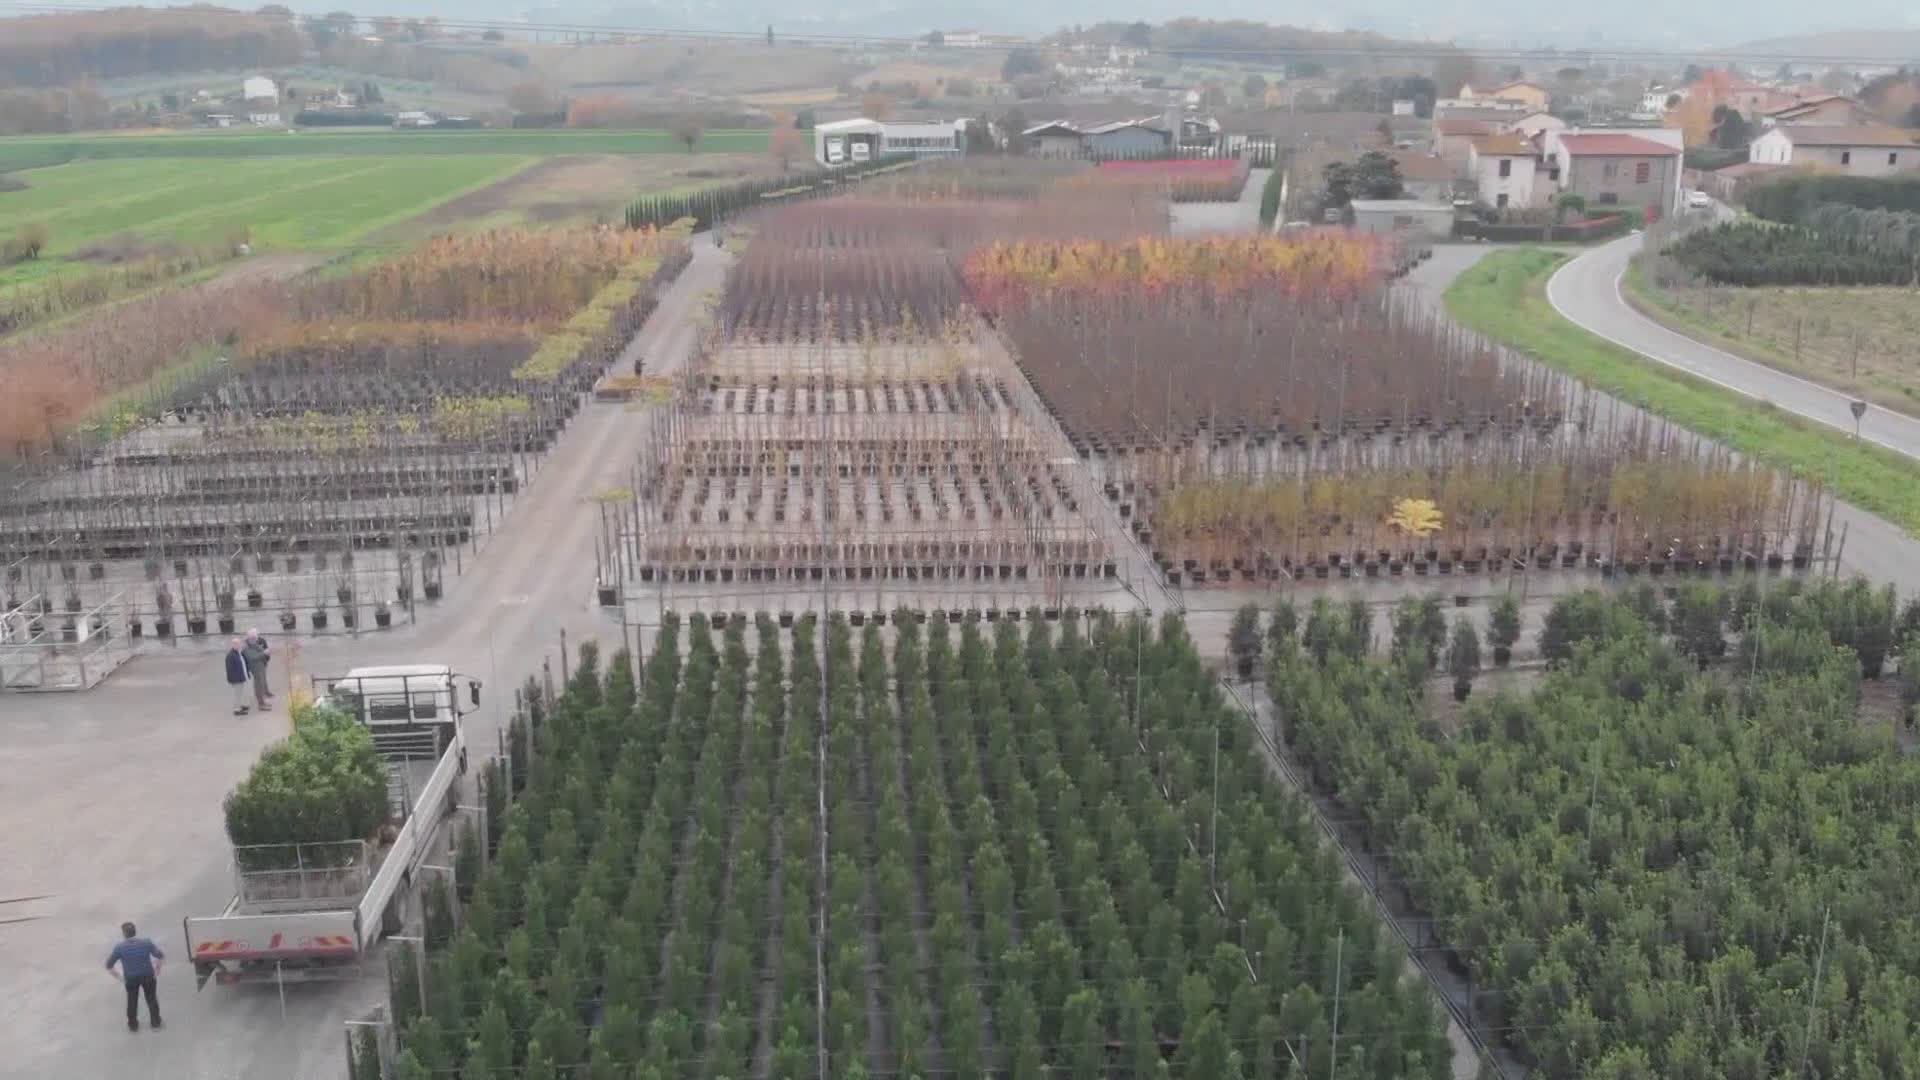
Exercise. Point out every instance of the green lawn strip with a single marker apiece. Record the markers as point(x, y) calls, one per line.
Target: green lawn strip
point(1504, 297)
point(32, 151)
point(365, 209)
point(289, 204)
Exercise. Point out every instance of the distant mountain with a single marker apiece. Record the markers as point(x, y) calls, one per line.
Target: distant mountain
point(1505, 23)
point(1891, 45)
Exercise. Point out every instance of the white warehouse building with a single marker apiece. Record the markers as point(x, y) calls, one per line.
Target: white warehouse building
point(850, 142)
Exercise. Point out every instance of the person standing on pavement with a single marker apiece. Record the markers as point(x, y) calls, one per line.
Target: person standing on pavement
point(237, 676)
point(254, 651)
point(139, 961)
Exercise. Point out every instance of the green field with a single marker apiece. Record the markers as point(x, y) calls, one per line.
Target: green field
point(1504, 297)
point(34, 151)
point(285, 203)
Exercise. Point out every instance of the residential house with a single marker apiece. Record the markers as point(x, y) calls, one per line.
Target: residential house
point(219, 120)
point(1453, 140)
point(259, 88)
point(1502, 168)
point(1055, 139)
point(1481, 109)
point(1617, 168)
point(1404, 107)
point(1424, 176)
point(333, 99)
point(1534, 124)
point(414, 118)
point(1826, 109)
point(1653, 102)
point(1532, 95)
point(1853, 149)
point(1128, 139)
point(264, 118)
point(1730, 182)
point(961, 39)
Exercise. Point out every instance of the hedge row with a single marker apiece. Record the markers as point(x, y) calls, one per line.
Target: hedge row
point(1752, 253)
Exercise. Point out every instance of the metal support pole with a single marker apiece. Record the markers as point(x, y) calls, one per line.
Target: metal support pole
point(419, 965)
point(1339, 958)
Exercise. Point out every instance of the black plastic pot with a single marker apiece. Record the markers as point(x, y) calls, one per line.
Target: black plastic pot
point(288, 621)
point(226, 624)
point(254, 599)
point(318, 619)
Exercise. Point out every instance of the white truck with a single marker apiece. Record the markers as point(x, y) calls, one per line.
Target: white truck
point(312, 911)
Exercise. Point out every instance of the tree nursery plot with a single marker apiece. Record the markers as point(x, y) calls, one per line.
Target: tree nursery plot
point(1188, 179)
point(850, 419)
point(1653, 865)
point(316, 451)
point(1263, 407)
point(968, 858)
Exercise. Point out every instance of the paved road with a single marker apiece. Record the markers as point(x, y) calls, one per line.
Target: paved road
point(112, 798)
point(1587, 291)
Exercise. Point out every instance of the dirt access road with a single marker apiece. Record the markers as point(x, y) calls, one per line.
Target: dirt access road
point(111, 809)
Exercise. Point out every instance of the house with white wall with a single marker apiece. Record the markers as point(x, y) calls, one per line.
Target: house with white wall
point(1852, 149)
point(1503, 167)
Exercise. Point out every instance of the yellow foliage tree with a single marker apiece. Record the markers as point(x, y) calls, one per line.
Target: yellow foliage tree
point(1418, 518)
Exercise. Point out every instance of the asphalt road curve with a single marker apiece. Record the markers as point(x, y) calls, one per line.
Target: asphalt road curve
point(1587, 291)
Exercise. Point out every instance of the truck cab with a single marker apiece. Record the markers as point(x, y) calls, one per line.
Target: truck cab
point(412, 710)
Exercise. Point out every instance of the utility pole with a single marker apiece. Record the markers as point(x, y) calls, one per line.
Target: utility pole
point(1339, 957)
point(1813, 999)
point(1213, 829)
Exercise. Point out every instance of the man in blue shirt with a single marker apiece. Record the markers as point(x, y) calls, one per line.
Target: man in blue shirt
point(139, 961)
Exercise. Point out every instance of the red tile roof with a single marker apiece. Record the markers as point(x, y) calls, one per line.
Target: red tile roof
point(1504, 144)
point(1846, 135)
point(1460, 125)
point(1615, 146)
point(1417, 166)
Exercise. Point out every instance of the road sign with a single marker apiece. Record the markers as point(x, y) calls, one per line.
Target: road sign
point(1859, 409)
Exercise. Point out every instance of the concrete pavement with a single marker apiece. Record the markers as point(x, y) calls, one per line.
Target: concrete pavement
point(1587, 291)
point(112, 804)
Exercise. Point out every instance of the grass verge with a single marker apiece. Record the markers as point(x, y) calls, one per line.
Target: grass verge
point(1504, 297)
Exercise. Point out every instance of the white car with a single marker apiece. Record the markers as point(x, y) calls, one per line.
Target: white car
point(1699, 200)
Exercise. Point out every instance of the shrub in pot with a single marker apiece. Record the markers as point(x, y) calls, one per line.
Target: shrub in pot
point(324, 783)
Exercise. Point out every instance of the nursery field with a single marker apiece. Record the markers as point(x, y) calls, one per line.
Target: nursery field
point(295, 203)
point(850, 424)
point(318, 451)
point(1685, 854)
point(974, 852)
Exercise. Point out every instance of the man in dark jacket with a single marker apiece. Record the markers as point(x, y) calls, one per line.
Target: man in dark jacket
point(139, 961)
point(237, 676)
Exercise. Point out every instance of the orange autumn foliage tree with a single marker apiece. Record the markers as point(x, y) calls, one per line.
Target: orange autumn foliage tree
point(1329, 264)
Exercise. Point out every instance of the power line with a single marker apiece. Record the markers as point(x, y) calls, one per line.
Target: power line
point(1386, 50)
